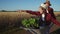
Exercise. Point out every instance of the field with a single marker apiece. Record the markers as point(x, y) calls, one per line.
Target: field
point(11, 21)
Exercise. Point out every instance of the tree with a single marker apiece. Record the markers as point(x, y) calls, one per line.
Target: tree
point(3, 10)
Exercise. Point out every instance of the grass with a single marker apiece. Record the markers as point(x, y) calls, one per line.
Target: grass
point(58, 18)
point(13, 31)
point(10, 22)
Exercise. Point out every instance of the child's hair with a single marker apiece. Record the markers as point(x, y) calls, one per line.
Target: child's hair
point(44, 10)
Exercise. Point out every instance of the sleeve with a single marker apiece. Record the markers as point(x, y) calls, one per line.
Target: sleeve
point(50, 18)
point(33, 13)
point(55, 21)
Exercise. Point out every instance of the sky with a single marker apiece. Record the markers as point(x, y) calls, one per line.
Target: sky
point(12, 5)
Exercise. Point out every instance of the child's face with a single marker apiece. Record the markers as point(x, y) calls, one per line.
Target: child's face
point(47, 5)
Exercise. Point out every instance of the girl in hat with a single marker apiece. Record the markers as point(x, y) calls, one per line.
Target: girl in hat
point(46, 18)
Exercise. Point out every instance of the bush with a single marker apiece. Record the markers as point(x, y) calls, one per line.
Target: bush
point(32, 22)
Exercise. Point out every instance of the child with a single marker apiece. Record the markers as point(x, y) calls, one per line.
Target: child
point(45, 18)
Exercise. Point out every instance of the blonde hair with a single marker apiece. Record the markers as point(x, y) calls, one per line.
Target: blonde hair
point(44, 10)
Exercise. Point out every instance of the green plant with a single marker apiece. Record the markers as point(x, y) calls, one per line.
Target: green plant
point(29, 22)
point(25, 23)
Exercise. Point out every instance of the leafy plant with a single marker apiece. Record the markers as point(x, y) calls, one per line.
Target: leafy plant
point(30, 22)
point(25, 23)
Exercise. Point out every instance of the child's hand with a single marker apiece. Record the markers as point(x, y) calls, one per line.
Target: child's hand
point(40, 10)
point(21, 11)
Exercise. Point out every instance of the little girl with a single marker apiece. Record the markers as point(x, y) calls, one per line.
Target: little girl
point(44, 17)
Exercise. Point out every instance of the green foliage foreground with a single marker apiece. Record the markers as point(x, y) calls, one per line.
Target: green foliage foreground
point(32, 22)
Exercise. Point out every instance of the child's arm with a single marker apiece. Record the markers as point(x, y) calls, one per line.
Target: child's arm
point(55, 21)
point(34, 13)
point(50, 18)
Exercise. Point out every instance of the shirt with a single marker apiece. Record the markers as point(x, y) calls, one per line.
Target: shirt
point(43, 16)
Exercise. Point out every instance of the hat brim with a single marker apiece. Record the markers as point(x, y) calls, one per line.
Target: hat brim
point(48, 3)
